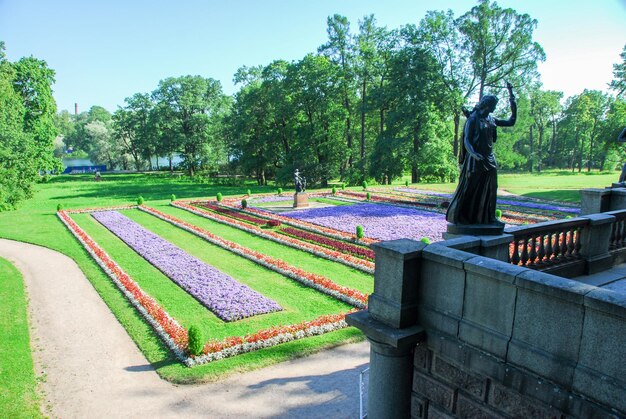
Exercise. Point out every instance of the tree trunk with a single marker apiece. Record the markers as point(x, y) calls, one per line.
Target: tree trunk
point(363, 92)
point(530, 143)
point(540, 128)
point(457, 126)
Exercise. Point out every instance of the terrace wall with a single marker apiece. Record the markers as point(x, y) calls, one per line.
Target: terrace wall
point(456, 334)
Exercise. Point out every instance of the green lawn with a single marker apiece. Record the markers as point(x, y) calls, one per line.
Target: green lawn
point(18, 398)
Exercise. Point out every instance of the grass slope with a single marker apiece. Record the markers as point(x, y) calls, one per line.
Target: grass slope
point(18, 398)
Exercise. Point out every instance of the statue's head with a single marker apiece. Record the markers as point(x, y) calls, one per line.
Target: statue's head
point(488, 103)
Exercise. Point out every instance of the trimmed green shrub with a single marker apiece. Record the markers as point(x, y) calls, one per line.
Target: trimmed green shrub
point(368, 196)
point(498, 213)
point(406, 183)
point(248, 192)
point(279, 190)
point(425, 240)
point(59, 207)
point(343, 186)
point(334, 191)
point(195, 342)
point(359, 232)
point(244, 204)
point(219, 196)
point(364, 185)
point(140, 200)
point(172, 197)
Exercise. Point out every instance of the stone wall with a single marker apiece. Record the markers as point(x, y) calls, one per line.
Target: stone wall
point(493, 339)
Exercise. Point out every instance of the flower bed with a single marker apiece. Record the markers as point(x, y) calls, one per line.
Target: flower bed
point(335, 244)
point(318, 282)
point(383, 222)
point(220, 293)
point(363, 265)
point(315, 228)
point(166, 327)
point(171, 332)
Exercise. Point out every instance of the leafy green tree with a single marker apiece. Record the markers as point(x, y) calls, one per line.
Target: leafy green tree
point(131, 125)
point(320, 150)
point(618, 84)
point(501, 47)
point(195, 108)
point(33, 81)
point(18, 169)
point(339, 49)
point(544, 105)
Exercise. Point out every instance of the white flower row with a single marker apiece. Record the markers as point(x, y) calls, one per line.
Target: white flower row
point(248, 254)
point(305, 246)
point(266, 343)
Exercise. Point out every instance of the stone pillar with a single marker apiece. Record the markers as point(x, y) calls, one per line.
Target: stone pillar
point(618, 199)
point(594, 200)
point(496, 247)
point(390, 325)
point(594, 242)
point(300, 200)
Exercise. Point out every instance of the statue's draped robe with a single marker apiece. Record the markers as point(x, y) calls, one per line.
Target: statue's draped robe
point(474, 201)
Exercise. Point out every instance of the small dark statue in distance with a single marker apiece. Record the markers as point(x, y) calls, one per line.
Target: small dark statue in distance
point(474, 202)
point(299, 182)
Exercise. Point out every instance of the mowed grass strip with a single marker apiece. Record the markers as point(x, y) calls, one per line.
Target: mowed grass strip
point(338, 273)
point(18, 396)
point(300, 303)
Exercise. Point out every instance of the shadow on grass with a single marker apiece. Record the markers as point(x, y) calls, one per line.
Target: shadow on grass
point(152, 186)
point(563, 195)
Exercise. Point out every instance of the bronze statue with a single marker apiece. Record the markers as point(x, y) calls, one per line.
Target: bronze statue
point(299, 181)
point(474, 201)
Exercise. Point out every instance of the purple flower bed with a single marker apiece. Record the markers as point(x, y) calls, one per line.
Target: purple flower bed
point(526, 204)
point(220, 293)
point(383, 222)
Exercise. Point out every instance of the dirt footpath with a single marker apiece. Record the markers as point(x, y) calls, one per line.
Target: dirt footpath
point(93, 369)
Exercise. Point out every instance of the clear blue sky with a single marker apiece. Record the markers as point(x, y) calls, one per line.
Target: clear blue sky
point(105, 51)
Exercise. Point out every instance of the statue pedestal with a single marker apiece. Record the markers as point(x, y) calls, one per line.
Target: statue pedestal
point(300, 200)
point(473, 230)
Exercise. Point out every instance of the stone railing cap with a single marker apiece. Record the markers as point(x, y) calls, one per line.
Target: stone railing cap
point(553, 286)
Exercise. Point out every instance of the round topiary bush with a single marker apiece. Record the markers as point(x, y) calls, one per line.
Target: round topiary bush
point(498, 213)
point(244, 204)
point(173, 197)
point(140, 200)
point(219, 197)
point(360, 233)
point(334, 191)
point(59, 207)
point(195, 340)
point(368, 196)
point(406, 183)
point(279, 190)
point(425, 240)
point(343, 186)
point(364, 185)
point(248, 192)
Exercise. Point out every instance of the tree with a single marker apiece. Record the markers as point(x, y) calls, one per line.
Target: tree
point(131, 125)
point(618, 84)
point(501, 47)
point(104, 147)
point(544, 105)
point(18, 170)
point(33, 82)
point(195, 108)
point(339, 51)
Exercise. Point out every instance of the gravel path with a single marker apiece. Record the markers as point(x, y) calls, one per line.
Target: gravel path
point(93, 369)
